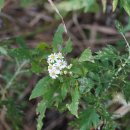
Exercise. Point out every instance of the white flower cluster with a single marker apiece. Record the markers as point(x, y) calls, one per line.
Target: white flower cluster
point(57, 65)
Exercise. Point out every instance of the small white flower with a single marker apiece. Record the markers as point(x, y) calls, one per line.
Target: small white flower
point(57, 64)
point(60, 56)
point(70, 73)
point(48, 61)
point(50, 68)
point(61, 63)
point(61, 72)
point(57, 70)
point(64, 65)
point(53, 74)
point(52, 58)
point(65, 72)
point(69, 67)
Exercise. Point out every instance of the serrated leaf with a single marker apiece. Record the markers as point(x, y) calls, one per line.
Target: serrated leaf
point(88, 119)
point(107, 53)
point(73, 107)
point(2, 4)
point(40, 87)
point(48, 98)
point(86, 56)
point(41, 108)
point(68, 48)
point(114, 5)
point(43, 105)
point(58, 39)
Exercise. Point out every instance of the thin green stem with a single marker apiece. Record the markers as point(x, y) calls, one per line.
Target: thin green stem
point(18, 71)
point(57, 11)
point(127, 43)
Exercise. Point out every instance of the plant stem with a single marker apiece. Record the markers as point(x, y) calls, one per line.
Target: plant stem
point(126, 42)
point(18, 71)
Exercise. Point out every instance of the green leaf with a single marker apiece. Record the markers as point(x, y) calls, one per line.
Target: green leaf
point(35, 67)
point(40, 87)
point(114, 5)
point(68, 48)
point(127, 27)
point(57, 40)
point(104, 3)
point(77, 68)
point(46, 102)
point(119, 26)
point(90, 6)
point(86, 56)
point(41, 108)
point(14, 114)
point(107, 53)
point(86, 84)
point(2, 4)
point(72, 5)
point(3, 51)
point(42, 46)
point(126, 6)
point(20, 53)
point(20, 40)
point(73, 107)
point(64, 88)
point(49, 98)
point(88, 118)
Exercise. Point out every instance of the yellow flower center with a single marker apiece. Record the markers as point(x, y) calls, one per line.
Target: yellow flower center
point(53, 57)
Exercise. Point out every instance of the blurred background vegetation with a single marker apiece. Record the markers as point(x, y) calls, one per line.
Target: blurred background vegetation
point(31, 24)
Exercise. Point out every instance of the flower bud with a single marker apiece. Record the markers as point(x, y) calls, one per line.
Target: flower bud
point(69, 67)
point(65, 72)
point(70, 73)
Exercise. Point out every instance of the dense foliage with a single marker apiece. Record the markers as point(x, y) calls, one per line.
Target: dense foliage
point(94, 81)
point(84, 87)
